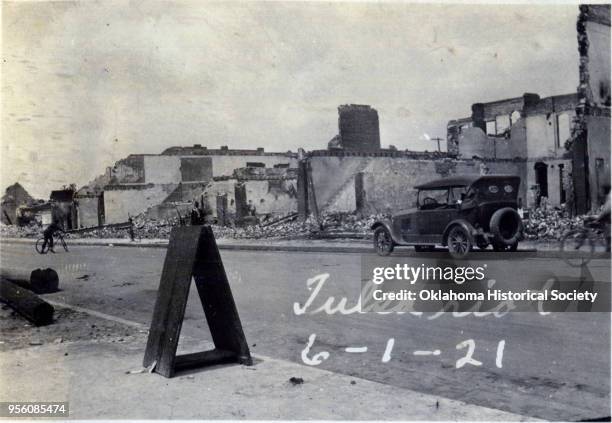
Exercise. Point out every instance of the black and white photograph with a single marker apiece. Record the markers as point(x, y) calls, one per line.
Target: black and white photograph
point(305, 210)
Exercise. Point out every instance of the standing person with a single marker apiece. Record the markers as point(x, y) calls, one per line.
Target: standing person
point(131, 228)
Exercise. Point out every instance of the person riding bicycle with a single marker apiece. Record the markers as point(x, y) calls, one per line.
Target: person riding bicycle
point(49, 232)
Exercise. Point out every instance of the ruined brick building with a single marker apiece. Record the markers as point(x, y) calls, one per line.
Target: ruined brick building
point(529, 130)
point(559, 146)
point(158, 182)
point(14, 197)
point(564, 140)
point(360, 176)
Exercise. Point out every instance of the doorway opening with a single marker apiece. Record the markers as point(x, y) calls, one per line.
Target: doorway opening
point(541, 179)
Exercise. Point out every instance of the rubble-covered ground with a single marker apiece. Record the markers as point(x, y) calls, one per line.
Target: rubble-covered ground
point(550, 224)
point(68, 326)
point(543, 224)
point(346, 225)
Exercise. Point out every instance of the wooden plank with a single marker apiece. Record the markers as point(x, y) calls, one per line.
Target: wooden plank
point(217, 299)
point(171, 299)
point(209, 358)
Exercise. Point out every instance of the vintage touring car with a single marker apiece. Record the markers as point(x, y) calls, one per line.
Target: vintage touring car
point(459, 212)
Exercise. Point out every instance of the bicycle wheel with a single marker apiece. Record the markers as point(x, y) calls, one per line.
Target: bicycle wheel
point(39, 246)
point(577, 247)
point(61, 240)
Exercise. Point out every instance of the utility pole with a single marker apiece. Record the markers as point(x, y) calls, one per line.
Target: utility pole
point(438, 139)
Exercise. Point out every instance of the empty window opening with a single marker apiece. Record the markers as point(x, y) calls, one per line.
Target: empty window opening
point(563, 129)
point(502, 124)
point(491, 127)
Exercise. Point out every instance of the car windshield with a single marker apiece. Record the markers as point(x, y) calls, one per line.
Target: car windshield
point(455, 195)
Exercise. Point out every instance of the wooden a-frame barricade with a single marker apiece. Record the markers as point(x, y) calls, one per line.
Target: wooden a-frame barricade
point(193, 253)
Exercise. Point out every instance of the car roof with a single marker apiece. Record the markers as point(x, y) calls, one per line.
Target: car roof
point(461, 180)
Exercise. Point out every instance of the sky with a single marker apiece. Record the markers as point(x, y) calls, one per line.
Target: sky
point(85, 84)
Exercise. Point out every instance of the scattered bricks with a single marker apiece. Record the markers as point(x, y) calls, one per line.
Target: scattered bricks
point(550, 224)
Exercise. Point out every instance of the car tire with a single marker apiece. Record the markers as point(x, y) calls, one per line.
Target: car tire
point(506, 226)
point(459, 242)
point(383, 243)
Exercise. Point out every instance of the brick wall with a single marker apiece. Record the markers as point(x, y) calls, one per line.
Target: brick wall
point(388, 181)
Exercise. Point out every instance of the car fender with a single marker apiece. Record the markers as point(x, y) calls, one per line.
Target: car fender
point(389, 226)
point(463, 223)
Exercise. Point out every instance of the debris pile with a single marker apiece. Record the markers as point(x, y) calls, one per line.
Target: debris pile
point(546, 224)
point(543, 224)
point(144, 228)
point(14, 231)
point(329, 225)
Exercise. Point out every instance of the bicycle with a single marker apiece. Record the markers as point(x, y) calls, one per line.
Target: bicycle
point(59, 240)
point(578, 245)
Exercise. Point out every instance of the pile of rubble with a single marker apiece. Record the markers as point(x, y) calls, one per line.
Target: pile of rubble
point(13, 231)
point(543, 224)
point(336, 225)
point(331, 225)
point(547, 224)
point(144, 228)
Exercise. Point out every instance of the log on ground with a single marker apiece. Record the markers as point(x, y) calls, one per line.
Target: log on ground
point(26, 303)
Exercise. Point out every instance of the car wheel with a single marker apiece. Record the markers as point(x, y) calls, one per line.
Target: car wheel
point(459, 242)
point(383, 243)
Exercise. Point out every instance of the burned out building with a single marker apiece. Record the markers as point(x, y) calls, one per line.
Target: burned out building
point(64, 209)
point(373, 180)
point(528, 130)
point(253, 190)
point(89, 204)
point(564, 140)
point(15, 196)
point(178, 175)
point(141, 181)
point(590, 143)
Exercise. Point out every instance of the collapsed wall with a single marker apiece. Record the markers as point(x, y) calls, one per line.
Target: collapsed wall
point(122, 201)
